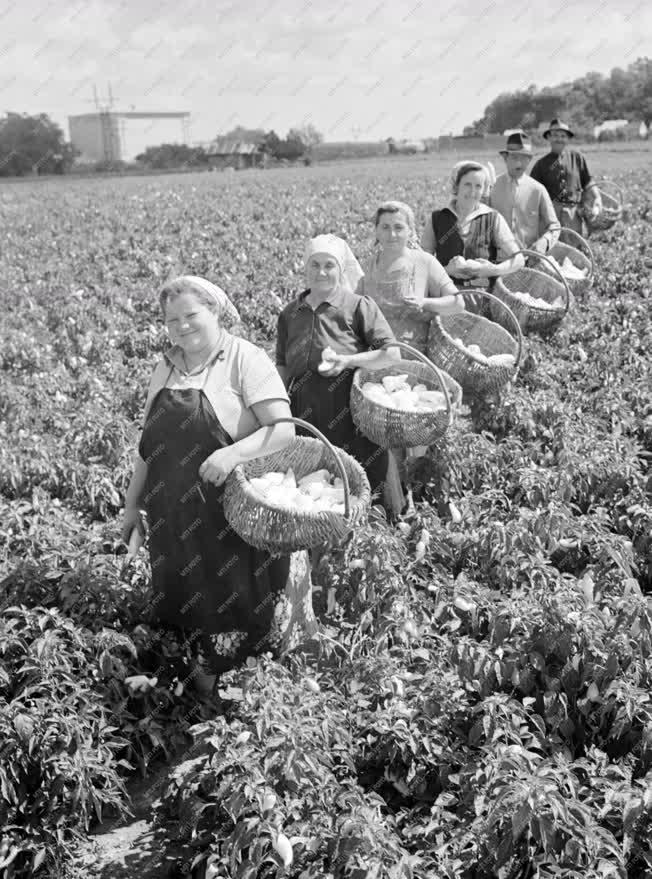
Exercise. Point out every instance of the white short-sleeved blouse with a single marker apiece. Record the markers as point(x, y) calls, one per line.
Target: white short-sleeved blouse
point(238, 375)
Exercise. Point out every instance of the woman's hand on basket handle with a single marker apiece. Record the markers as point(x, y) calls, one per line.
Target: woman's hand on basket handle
point(269, 438)
point(218, 465)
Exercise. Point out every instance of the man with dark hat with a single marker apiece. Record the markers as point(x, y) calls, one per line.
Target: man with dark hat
point(522, 201)
point(566, 176)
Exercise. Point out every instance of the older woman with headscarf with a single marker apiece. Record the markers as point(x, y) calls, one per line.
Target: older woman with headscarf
point(212, 403)
point(329, 315)
point(408, 284)
point(471, 240)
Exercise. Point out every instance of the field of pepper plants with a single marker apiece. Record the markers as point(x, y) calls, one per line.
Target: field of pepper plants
point(481, 705)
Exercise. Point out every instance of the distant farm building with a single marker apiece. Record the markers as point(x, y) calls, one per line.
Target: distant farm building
point(610, 125)
point(226, 153)
point(628, 129)
point(114, 137)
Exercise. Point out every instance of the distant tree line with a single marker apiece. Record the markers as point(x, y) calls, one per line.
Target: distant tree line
point(36, 144)
point(585, 102)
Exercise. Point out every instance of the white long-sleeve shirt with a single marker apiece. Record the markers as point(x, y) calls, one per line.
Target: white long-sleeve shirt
point(528, 209)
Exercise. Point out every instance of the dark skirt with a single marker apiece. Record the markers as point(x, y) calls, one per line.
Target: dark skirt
point(325, 403)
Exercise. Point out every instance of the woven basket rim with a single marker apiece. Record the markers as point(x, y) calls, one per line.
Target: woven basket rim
point(568, 247)
point(505, 290)
point(468, 355)
point(361, 373)
point(352, 466)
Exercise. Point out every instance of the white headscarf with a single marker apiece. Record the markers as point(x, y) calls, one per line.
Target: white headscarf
point(227, 313)
point(341, 253)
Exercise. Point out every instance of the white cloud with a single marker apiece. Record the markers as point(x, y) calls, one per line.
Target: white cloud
point(407, 67)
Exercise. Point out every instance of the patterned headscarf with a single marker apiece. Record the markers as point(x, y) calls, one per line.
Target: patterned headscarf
point(227, 313)
point(341, 253)
point(408, 213)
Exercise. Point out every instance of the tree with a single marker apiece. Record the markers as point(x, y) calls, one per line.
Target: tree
point(585, 101)
point(307, 134)
point(33, 144)
point(289, 149)
point(270, 143)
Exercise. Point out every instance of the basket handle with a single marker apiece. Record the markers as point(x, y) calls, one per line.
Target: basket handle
point(582, 242)
point(619, 191)
point(556, 271)
point(468, 291)
point(424, 359)
point(331, 448)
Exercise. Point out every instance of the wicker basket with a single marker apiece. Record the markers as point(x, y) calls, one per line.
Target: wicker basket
point(283, 530)
point(475, 377)
point(612, 208)
point(398, 428)
point(538, 284)
point(580, 255)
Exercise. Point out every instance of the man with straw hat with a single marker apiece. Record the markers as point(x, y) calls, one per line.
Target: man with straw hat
point(522, 201)
point(565, 174)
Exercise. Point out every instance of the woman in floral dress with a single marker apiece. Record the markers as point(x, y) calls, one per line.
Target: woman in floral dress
point(212, 401)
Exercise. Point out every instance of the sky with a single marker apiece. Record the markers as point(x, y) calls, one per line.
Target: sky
point(355, 69)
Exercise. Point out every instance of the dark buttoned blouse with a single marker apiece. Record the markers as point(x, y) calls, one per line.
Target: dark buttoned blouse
point(348, 323)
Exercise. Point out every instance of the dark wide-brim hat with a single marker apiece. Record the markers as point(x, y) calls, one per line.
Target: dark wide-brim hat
point(560, 126)
point(517, 142)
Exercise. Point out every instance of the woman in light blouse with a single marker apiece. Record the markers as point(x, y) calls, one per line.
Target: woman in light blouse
point(467, 229)
point(409, 285)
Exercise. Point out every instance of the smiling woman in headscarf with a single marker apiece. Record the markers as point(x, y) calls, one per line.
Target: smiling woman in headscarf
point(408, 284)
point(328, 314)
point(211, 404)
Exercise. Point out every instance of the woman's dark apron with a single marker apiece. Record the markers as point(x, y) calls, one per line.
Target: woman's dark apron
point(206, 579)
